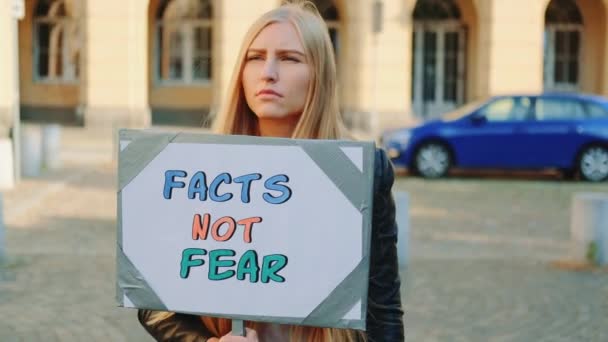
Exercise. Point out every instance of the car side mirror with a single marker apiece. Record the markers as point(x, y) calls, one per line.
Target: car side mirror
point(478, 119)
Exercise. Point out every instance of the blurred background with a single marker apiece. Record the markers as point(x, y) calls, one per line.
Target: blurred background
point(485, 255)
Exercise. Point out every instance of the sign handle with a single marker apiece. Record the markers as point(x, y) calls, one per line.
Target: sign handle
point(238, 328)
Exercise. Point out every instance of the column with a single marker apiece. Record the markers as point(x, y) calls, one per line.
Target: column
point(8, 67)
point(510, 46)
point(115, 88)
point(380, 89)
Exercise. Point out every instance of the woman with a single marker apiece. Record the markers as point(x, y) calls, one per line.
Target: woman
point(285, 86)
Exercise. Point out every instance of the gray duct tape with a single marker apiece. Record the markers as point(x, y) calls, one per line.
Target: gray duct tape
point(119, 292)
point(232, 140)
point(136, 156)
point(369, 157)
point(339, 169)
point(134, 286)
point(342, 299)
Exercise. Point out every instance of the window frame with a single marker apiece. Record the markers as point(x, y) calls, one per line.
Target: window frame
point(588, 104)
point(65, 22)
point(527, 118)
point(188, 54)
point(580, 103)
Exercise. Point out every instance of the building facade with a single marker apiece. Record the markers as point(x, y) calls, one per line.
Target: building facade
point(132, 63)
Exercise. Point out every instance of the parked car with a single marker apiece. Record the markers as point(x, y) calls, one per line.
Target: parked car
point(568, 132)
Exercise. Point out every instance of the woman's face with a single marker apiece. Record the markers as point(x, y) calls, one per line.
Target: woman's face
point(276, 74)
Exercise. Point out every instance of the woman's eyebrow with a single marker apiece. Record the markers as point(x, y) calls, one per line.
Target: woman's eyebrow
point(290, 51)
point(281, 51)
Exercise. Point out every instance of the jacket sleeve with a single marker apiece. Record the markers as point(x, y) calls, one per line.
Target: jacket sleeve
point(384, 312)
point(176, 328)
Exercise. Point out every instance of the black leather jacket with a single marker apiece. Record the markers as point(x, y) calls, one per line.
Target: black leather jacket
point(384, 313)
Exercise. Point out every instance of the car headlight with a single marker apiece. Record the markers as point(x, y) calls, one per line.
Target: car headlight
point(400, 138)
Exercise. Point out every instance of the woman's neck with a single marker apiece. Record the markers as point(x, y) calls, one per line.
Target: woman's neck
point(278, 127)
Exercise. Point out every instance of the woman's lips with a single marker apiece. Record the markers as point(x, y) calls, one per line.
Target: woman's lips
point(268, 93)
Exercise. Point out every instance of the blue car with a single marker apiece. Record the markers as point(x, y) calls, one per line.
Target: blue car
point(568, 132)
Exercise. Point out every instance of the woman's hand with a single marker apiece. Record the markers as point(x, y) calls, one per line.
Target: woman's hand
point(252, 336)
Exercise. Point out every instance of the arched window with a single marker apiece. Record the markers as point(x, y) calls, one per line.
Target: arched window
point(563, 32)
point(438, 59)
point(563, 12)
point(184, 41)
point(56, 41)
point(330, 14)
point(436, 10)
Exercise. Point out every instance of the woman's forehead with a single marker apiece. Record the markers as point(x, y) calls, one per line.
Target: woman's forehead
point(279, 35)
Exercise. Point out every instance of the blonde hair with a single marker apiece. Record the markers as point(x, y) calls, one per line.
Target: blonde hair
point(320, 117)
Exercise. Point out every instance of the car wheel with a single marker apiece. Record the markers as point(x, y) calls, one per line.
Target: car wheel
point(593, 164)
point(432, 160)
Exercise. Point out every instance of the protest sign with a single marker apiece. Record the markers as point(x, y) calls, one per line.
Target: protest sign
point(263, 229)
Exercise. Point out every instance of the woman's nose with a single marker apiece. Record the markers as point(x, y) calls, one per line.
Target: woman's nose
point(270, 70)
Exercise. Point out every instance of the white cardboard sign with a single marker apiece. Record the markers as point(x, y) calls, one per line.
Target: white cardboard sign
point(245, 227)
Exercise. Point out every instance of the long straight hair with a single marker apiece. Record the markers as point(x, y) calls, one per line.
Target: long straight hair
point(320, 117)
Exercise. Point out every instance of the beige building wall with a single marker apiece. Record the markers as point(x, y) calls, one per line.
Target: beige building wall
point(374, 68)
point(604, 27)
point(593, 59)
point(117, 86)
point(470, 18)
point(7, 69)
point(383, 88)
point(510, 46)
point(116, 73)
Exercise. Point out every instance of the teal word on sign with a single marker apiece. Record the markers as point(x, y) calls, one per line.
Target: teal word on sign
point(222, 265)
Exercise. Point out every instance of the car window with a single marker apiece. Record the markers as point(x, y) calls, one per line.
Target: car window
point(596, 111)
point(547, 109)
point(462, 111)
point(507, 109)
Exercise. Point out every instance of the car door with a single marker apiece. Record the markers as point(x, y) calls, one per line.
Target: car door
point(553, 136)
point(491, 137)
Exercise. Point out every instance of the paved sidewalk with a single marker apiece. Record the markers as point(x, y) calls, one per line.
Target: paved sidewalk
point(59, 283)
point(481, 269)
point(479, 263)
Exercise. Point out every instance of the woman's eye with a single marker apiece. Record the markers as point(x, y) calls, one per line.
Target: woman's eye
point(254, 58)
point(291, 59)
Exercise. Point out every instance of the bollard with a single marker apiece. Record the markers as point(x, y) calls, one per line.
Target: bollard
point(30, 150)
point(51, 146)
point(2, 253)
point(7, 174)
point(589, 228)
point(402, 211)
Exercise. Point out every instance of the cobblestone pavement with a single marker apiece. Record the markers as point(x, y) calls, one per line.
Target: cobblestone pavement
point(480, 260)
point(481, 263)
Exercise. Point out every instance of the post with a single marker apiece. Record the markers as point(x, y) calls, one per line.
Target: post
point(402, 216)
point(18, 12)
point(238, 328)
point(7, 176)
point(51, 146)
point(589, 228)
point(2, 253)
point(31, 141)
point(377, 21)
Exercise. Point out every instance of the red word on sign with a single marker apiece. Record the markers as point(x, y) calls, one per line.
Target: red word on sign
point(200, 227)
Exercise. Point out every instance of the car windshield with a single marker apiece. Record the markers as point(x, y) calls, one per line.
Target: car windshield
point(462, 111)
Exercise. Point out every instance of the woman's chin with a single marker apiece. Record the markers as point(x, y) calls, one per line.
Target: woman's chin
point(274, 115)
